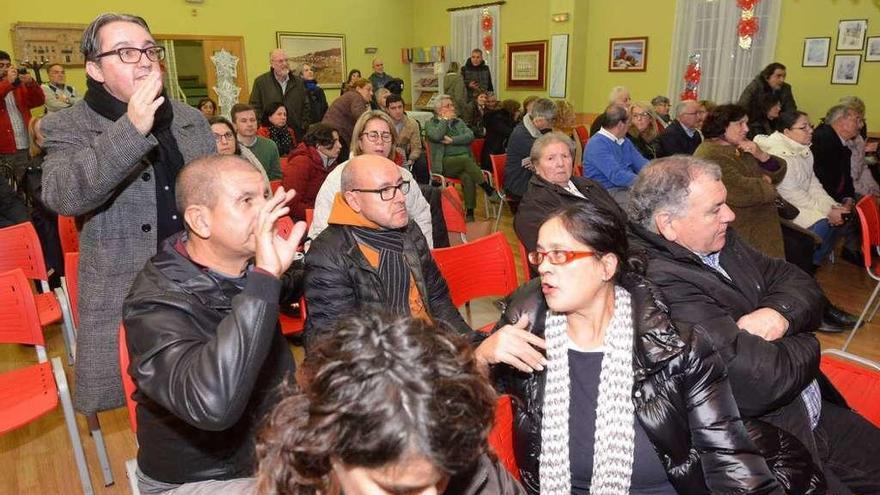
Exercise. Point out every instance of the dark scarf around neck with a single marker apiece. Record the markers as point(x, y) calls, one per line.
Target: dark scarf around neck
point(393, 270)
point(166, 158)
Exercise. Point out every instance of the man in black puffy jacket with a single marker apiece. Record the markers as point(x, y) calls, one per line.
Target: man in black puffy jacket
point(201, 321)
point(760, 313)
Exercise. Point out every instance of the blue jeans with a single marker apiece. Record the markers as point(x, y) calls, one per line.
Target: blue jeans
point(829, 235)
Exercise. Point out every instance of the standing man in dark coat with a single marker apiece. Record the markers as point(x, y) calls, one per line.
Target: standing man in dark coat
point(760, 312)
point(112, 160)
point(476, 74)
point(281, 85)
point(770, 80)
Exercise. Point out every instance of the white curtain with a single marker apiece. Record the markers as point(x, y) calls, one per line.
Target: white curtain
point(466, 34)
point(709, 27)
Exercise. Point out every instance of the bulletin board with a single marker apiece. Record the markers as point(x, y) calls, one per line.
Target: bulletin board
point(48, 42)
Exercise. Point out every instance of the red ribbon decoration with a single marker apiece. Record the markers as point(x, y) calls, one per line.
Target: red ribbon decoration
point(748, 27)
point(487, 23)
point(487, 43)
point(746, 4)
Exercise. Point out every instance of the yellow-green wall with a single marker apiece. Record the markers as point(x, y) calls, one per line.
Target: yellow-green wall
point(812, 85)
point(384, 24)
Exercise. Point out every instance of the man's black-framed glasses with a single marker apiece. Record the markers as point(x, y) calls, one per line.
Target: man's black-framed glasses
point(132, 55)
point(388, 193)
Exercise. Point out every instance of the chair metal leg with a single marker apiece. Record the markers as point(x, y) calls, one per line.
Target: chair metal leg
point(874, 311)
point(101, 448)
point(68, 330)
point(130, 471)
point(868, 304)
point(72, 430)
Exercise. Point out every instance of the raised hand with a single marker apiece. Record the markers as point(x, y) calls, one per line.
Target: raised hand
point(274, 253)
point(144, 102)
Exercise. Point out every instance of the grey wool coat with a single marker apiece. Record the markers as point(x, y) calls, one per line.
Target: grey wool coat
point(97, 169)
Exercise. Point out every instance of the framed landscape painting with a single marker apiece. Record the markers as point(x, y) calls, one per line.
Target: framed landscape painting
point(325, 52)
point(628, 54)
point(816, 52)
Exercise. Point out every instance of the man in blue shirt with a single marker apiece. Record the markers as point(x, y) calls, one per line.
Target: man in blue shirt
point(610, 158)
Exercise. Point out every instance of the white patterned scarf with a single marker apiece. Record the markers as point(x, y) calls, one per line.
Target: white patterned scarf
point(615, 415)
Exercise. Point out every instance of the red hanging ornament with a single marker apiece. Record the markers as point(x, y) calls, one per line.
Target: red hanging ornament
point(747, 27)
point(488, 44)
point(487, 22)
point(746, 4)
point(688, 94)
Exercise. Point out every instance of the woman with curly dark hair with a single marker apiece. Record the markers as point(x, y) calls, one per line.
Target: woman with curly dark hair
point(392, 405)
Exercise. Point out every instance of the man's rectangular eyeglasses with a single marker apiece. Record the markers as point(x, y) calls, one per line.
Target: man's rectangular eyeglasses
point(558, 257)
point(220, 137)
point(373, 136)
point(387, 193)
point(131, 55)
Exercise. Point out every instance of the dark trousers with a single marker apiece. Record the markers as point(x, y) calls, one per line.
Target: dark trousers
point(849, 447)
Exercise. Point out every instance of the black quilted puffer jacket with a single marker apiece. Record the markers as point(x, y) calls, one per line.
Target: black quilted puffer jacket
point(683, 401)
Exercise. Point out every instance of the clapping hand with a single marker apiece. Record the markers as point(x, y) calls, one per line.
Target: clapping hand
point(274, 253)
point(143, 103)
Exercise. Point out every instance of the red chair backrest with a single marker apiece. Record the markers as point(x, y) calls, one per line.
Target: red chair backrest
point(481, 268)
point(71, 277)
point(582, 133)
point(501, 436)
point(274, 185)
point(19, 323)
point(860, 386)
point(21, 249)
point(453, 210)
point(498, 162)
point(524, 258)
point(68, 234)
point(310, 215)
point(477, 148)
point(870, 220)
point(127, 383)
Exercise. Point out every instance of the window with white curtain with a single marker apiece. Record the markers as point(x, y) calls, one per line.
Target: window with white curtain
point(466, 34)
point(709, 27)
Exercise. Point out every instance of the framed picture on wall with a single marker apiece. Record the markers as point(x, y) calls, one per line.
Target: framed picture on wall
point(527, 65)
point(846, 69)
point(816, 52)
point(628, 54)
point(872, 54)
point(851, 34)
point(325, 52)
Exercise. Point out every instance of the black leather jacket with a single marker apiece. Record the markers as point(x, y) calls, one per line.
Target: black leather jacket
point(206, 356)
point(682, 400)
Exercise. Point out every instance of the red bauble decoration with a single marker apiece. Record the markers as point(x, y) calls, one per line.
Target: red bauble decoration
point(688, 94)
point(487, 23)
point(692, 74)
point(488, 44)
point(748, 27)
point(746, 4)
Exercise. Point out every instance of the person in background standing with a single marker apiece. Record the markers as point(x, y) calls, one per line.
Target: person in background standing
point(476, 75)
point(280, 84)
point(453, 85)
point(317, 98)
point(58, 94)
point(208, 107)
point(19, 93)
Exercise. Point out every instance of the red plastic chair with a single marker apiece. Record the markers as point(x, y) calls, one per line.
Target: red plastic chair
point(858, 380)
point(477, 148)
point(21, 249)
point(498, 163)
point(501, 437)
point(870, 221)
point(453, 213)
point(482, 268)
point(524, 259)
point(68, 234)
point(583, 134)
point(129, 387)
point(274, 185)
point(29, 392)
point(310, 215)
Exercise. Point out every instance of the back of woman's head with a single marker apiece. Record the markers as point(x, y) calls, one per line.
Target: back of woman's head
point(719, 118)
point(381, 389)
point(600, 226)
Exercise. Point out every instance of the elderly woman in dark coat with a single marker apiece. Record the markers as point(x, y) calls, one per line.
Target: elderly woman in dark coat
point(749, 174)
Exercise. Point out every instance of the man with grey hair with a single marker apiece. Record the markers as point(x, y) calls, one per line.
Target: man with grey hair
point(112, 161)
point(661, 109)
point(681, 136)
point(759, 312)
point(518, 169)
point(610, 158)
point(619, 96)
point(281, 85)
point(832, 157)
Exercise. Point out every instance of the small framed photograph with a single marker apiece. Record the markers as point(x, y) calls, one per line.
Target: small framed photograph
point(873, 52)
point(527, 65)
point(846, 69)
point(627, 54)
point(851, 34)
point(816, 52)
